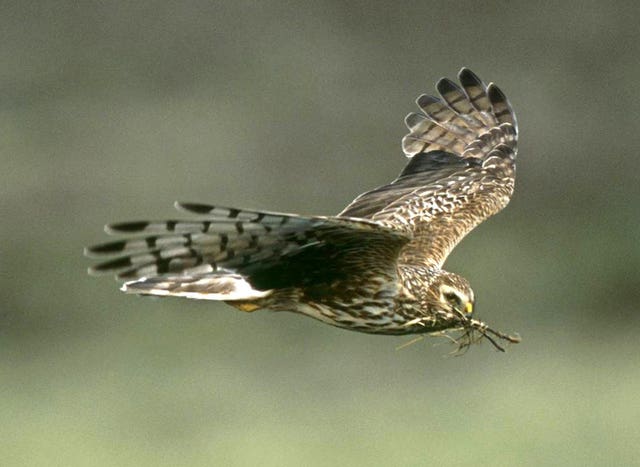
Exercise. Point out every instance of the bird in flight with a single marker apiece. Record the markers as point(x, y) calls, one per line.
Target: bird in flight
point(376, 267)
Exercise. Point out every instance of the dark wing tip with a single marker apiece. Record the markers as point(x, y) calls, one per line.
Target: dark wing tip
point(495, 94)
point(196, 208)
point(445, 86)
point(413, 119)
point(468, 78)
point(426, 99)
point(501, 106)
point(126, 227)
point(113, 265)
point(105, 248)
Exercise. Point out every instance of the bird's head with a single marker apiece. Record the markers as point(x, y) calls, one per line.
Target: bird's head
point(454, 302)
point(453, 295)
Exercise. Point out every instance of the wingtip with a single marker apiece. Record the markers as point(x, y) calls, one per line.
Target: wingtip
point(193, 208)
point(91, 251)
point(495, 92)
point(445, 85)
point(425, 100)
point(103, 249)
point(412, 119)
point(125, 227)
point(111, 229)
point(498, 98)
point(467, 77)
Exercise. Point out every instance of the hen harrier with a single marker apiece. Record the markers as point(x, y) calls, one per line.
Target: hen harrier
point(377, 266)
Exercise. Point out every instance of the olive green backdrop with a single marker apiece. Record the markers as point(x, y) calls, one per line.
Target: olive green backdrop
point(112, 110)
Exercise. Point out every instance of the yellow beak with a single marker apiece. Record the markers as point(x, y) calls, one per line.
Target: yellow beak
point(468, 308)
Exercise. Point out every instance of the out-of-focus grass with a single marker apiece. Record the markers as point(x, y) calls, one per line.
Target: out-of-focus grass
point(193, 388)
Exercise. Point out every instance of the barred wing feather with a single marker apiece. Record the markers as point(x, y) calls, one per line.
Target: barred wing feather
point(242, 254)
point(462, 147)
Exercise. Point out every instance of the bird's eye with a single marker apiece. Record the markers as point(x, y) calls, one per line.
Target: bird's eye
point(457, 301)
point(453, 298)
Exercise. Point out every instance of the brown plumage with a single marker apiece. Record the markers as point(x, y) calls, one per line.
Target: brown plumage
point(376, 266)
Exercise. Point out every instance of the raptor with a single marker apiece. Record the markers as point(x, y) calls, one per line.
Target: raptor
point(375, 267)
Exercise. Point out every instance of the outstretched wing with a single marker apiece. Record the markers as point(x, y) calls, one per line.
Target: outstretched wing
point(462, 170)
point(247, 252)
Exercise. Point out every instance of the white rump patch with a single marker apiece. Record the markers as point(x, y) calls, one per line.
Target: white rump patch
point(207, 287)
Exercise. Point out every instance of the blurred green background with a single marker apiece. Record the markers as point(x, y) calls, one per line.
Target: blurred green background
point(112, 110)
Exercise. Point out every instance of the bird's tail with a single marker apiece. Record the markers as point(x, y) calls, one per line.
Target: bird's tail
point(468, 121)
